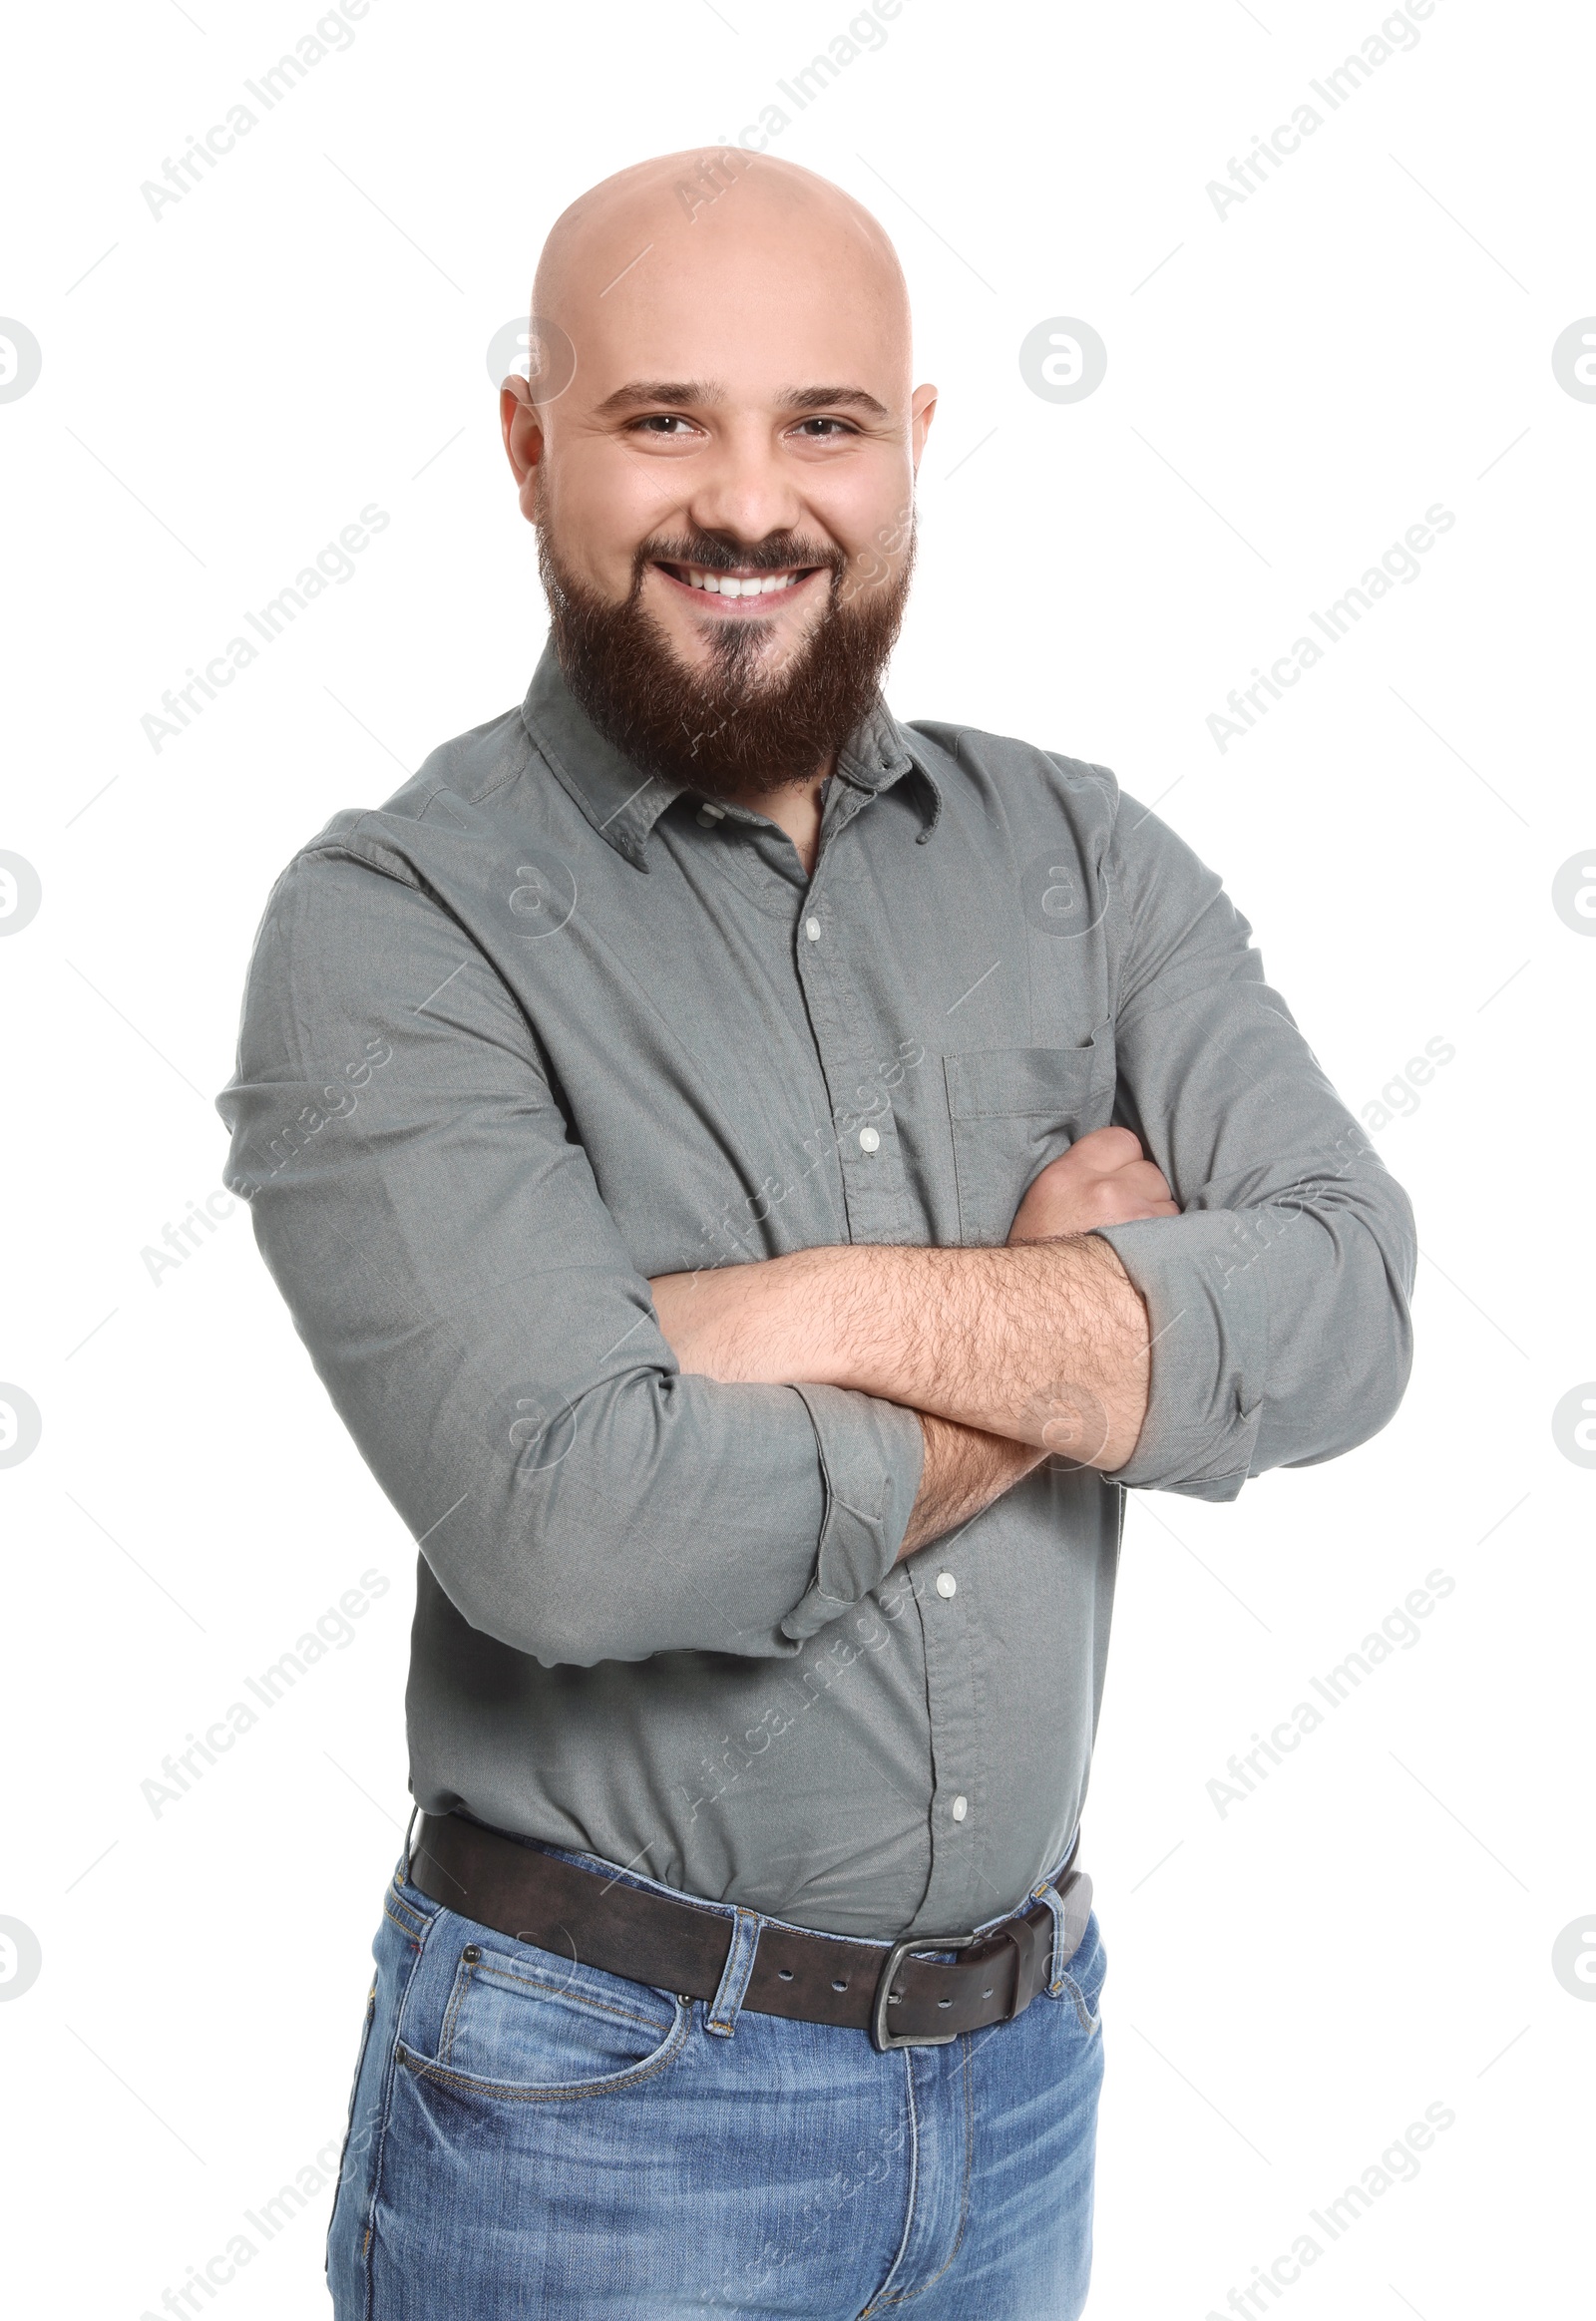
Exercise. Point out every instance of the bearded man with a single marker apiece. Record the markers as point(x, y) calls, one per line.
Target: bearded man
point(759, 1182)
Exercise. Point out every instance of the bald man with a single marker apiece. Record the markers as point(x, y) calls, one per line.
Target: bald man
point(759, 1182)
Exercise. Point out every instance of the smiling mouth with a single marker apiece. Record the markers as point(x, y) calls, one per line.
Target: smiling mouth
point(746, 591)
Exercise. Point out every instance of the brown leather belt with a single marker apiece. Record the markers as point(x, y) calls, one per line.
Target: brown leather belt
point(902, 1998)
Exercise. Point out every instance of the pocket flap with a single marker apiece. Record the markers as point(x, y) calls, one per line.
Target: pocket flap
point(1022, 1082)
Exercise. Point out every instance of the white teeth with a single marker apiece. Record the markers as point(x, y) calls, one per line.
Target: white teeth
point(724, 585)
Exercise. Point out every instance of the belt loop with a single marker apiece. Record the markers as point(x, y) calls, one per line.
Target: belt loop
point(1060, 1956)
point(727, 2002)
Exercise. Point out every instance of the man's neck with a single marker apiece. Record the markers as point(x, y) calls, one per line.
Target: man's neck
point(796, 807)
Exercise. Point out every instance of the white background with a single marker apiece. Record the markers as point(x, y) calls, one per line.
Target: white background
point(1289, 388)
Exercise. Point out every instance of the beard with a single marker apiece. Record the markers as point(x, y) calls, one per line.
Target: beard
point(747, 723)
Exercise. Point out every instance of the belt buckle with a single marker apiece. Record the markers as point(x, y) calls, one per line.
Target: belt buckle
point(884, 2039)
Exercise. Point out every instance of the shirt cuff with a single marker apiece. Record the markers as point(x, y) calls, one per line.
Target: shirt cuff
point(871, 1456)
point(1209, 1327)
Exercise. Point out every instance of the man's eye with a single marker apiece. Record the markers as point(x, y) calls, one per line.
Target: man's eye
point(836, 425)
point(659, 422)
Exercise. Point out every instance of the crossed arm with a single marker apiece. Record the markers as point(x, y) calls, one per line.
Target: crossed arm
point(1009, 1355)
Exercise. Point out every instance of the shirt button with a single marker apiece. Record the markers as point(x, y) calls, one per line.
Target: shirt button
point(961, 1808)
point(869, 1141)
point(947, 1585)
point(812, 930)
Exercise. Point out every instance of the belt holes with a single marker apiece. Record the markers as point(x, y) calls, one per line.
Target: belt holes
point(986, 1994)
point(945, 2002)
point(784, 1974)
point(836, 1986)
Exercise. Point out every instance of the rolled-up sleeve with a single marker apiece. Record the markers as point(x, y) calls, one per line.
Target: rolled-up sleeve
point(432, 1220)
point(866, 1455)
point(1278, 1301)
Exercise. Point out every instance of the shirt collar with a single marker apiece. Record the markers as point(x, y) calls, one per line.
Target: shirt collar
point(624, 805)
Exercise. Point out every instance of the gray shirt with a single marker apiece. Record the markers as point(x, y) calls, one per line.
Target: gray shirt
point(539, 1028)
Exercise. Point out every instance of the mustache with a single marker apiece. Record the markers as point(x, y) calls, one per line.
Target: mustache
point(778, 553)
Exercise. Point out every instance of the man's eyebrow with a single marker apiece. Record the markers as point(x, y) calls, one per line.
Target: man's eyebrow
point(677, 392)
point(827, 398)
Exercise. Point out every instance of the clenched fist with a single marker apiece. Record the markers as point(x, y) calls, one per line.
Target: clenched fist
point(1101, 1180)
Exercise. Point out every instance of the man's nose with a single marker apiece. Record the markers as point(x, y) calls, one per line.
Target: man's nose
point(743, 491)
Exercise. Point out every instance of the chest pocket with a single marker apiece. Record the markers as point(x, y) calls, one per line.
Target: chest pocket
point(1012, 1110)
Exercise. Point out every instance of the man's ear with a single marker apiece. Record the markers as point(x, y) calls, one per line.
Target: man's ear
point(522, 428)
point(921, 411)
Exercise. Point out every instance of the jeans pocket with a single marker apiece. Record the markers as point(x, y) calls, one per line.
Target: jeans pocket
point(1085, 1975)
point(526, 2026)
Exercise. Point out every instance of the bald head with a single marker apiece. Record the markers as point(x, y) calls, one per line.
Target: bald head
point(719, 229)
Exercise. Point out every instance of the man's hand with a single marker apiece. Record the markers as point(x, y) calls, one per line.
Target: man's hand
point(1101, 1180)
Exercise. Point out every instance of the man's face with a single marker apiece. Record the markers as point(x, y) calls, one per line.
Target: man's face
point(724, 492)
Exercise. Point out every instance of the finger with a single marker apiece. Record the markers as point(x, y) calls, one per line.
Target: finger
point(1103, 1149)
point(1146, 1179)
point(1112, 1201)
point(1099, 1153)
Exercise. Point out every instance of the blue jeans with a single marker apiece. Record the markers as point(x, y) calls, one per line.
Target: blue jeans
point(531, 2138)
